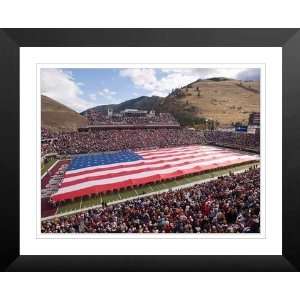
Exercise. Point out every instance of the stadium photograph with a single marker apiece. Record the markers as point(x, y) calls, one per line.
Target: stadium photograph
point(150, 150)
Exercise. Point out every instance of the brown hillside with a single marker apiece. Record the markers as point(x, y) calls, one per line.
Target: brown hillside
point(58, 117)
point(226, 101)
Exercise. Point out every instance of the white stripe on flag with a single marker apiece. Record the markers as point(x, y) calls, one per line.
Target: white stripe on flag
point(112, 180)
point(148, 159)
point(170, 161)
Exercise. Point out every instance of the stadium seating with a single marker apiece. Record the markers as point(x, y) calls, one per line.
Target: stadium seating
point(229, 204)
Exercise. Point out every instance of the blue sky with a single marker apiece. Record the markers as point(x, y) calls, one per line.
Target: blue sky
point(80, 88)
point(107, 86)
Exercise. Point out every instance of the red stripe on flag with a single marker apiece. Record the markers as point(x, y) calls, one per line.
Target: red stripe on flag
point(132, 182)
point(147, 168)
point(138, 163)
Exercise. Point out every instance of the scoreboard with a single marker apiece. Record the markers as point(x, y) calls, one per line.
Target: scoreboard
point(241, 128)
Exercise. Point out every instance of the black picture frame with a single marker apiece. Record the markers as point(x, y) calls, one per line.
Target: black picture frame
point(10, 42)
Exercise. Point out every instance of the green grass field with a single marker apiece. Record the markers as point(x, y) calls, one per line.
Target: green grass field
point(85, 203)
point(46, 166)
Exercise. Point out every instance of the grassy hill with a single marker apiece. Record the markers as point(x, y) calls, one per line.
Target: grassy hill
point(224, 100)
point(58, 117)
point(220, 99)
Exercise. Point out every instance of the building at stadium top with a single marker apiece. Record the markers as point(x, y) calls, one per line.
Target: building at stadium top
point(128, 118)
point(128, 112)
point(254, 119)
point(254, 123)
point(125, 126)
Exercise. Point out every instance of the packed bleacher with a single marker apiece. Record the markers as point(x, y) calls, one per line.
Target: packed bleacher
point(46, 134)
point(47, 137)
point(230, 204)
point(119, 139)
point(47, 148)
point(239, 140)
point(142, 138)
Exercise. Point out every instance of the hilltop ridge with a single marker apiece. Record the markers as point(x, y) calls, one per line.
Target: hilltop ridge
point(58, 117)
point(220, 99)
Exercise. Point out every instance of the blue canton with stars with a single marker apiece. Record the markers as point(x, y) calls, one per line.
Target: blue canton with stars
point(90, 160)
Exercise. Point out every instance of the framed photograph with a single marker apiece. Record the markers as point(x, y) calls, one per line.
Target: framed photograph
point(150, 149)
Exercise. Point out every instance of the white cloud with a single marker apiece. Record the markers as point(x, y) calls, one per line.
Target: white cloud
point(204, 73)
point(173, 78)
point(107, 93)
point(141, 77)
point(61, 86)
point(108, 96)
point(249, 74)
point(147, 79)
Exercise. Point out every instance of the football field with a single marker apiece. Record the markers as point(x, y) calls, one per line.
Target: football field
point(85, 203)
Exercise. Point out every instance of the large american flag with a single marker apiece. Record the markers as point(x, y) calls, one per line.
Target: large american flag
point(96, 173)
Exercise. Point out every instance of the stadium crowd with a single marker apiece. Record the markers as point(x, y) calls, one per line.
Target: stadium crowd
point(119, 139)
point(230, 204)
point(139, 138)
point(47, 148)
point(47, 134)
point(238, 140)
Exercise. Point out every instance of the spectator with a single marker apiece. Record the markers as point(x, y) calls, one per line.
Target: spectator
point(120, 139)
point(102, 140)
point(238, 140)
point(230, 204)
